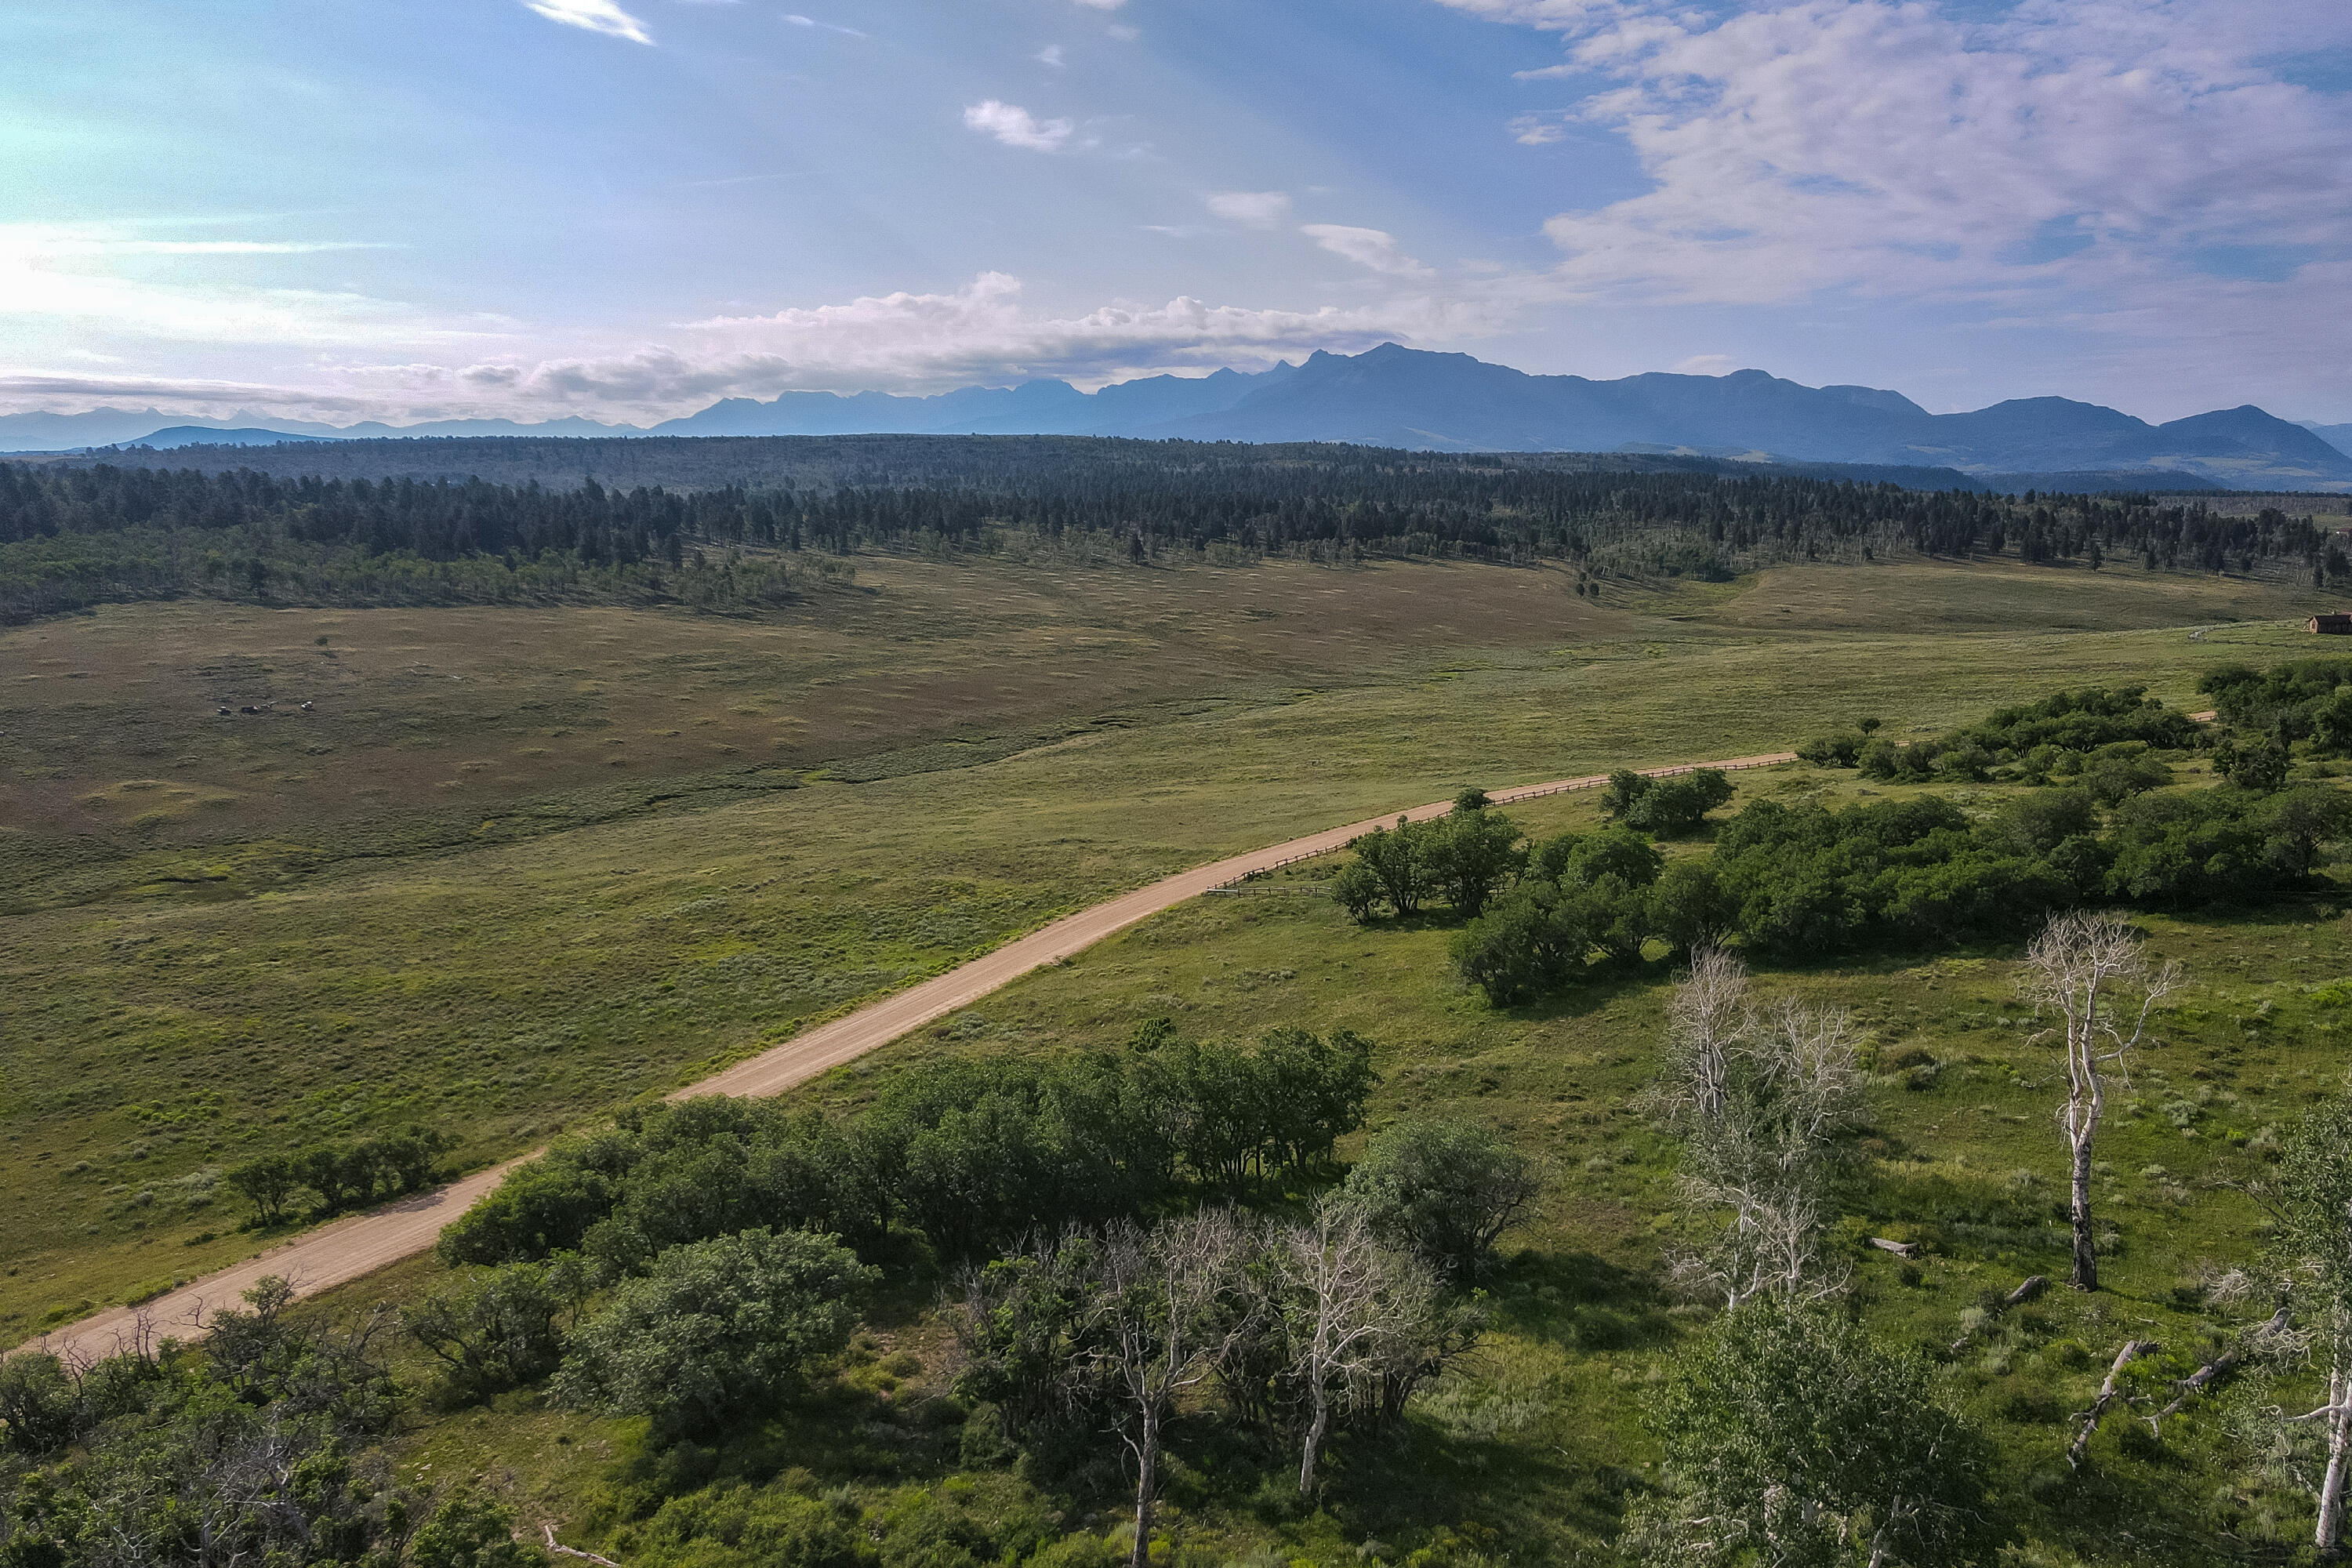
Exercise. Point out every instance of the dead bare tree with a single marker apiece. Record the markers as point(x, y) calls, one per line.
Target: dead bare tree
point(1706, 1018)
point(1758, 1097)
point(2092, 973)
point(1156, 1298)
point(1348, 1297)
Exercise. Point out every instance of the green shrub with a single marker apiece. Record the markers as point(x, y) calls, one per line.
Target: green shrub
point(1443, 1190)
point(491, 1330)
point(469, 1531)
point(717, 1330)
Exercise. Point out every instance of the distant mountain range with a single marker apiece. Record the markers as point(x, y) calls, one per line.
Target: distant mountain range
point(177, 435)
point(153, 428)
point(2337, 435)
point(1394, 396)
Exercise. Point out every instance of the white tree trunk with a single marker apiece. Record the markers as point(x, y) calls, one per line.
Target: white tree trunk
point(1147, 1482)
point(1313, 1449)
point(2086, 1258)
point(2329, 1536)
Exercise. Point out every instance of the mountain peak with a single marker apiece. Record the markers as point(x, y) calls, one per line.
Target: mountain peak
point(1395, 396)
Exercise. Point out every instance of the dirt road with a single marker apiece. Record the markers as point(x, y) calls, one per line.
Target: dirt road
point(363, 1243)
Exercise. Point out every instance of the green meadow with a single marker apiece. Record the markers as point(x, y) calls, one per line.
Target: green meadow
point(514, 868)
point(1527, 1452)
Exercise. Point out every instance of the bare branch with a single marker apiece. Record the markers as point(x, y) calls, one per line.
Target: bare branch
point(1704, 1023)
point(555, 1545)
point(1757, 1097)
point(2216, 1370)
point(2109, 1392)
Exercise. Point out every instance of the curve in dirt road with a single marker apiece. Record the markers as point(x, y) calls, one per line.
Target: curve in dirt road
point(364, 1243)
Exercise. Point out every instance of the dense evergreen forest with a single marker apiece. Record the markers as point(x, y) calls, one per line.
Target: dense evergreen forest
point(990, 462)
point(77, 534)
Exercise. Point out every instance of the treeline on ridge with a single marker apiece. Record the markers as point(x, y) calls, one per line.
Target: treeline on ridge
point(72, 534)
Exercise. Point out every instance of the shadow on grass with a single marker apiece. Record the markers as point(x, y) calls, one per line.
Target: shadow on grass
point(1581, 1301)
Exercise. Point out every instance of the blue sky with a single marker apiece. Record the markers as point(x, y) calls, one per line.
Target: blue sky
point(627, 208)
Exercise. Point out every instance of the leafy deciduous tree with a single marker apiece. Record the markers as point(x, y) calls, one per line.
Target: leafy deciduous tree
point(1792, 1438)
point(1442, 1190)
point(717, 1328)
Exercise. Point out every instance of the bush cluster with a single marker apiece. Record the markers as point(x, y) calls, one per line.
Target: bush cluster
point(1669, 807)
point(246, 1451)
point(975, 1156)
point(1459, 859)
point(341, 1176)
point(2061, 735)
point(2302, 699)
point(1808, 880)
point(1584, 894)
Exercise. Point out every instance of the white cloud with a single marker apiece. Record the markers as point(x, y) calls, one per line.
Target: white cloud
point(797, 20)
point(1537, 130)
point(980, 333)
point(1906, 148)
point(1706, 364)
point(596, 15)
point(1016, 127)
point(1370, 247)
point(1258, 209)
point(1102, 4)
point(2137, 171)
point(1051, 55)
point(56, 244)
point(192, 396)
point(70, 280)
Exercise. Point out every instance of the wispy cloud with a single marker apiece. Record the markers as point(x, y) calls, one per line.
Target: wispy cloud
point(1051, 55)
point(1370, 247)
point(1102, 4)
point(596, 15)
point(1786, 151)
point(1258, 209)
point(62, 276)
point(746, 179)
point(797, 20)
point(85, 245)
point(1016, 127)
point(192, 395)
point(982, 333)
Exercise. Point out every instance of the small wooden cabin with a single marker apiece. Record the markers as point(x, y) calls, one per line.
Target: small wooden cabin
point(2336, 626)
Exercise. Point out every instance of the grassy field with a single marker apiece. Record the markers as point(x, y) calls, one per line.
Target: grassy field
point(1531, 1449)
point(224, 939)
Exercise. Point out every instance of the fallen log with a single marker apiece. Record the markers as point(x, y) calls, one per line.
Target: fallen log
point(2214, 1371)
point(557, 1546)
point(2108, 1394)
point(1900, 1248)
point(2032, 1285)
